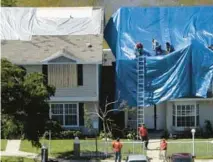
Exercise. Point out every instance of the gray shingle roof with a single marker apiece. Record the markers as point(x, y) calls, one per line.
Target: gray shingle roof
point(43, 47)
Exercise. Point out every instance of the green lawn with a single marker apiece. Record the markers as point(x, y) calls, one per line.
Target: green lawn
point(16, 159)
point(3, 144)
point(203, 150)
point(65, 147)
point(58, 147)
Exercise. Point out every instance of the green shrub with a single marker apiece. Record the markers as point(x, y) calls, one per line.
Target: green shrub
point(102, 135)
point(11, 128)
point(70, 134)
point(55, 129)
point(131, 134)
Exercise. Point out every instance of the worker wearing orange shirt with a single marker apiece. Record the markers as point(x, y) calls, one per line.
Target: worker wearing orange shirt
point(163, 149)
point(144, 135)
point(117, 146)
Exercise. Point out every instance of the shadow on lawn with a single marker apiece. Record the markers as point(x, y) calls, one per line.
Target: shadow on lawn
point(85, 155)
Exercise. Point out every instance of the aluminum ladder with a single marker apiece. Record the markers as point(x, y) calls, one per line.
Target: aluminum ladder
point(140, 89)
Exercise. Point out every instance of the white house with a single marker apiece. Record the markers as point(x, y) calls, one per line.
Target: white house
point(173, 115)
point(66, 45)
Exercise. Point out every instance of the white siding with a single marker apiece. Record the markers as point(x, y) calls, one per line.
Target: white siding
point(206, 112)
point(89, 88)
point(33, 68)
point(89, 107)
point(169, 116)
point(149, 117)
point(161, 116)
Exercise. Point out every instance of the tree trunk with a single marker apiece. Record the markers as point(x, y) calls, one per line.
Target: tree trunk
point(104, 127)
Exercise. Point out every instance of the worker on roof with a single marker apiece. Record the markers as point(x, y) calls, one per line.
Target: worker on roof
point(156, 47)
point(139, 50)
point(117, 146)
point(169, 48)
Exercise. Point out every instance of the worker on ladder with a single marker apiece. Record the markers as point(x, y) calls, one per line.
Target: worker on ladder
point(139, 50)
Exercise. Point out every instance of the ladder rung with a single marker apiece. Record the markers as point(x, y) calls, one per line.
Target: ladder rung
point(140, 80)
point(140, 109)
point(140, 93)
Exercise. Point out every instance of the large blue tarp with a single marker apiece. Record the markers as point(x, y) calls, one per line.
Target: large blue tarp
point(186, 72)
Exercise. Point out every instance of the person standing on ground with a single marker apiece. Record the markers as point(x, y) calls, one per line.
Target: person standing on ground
point(144, 135)
point(163, 150)
point(117, 146)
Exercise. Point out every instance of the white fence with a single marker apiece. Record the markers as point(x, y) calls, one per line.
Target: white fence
point(88, 148)
point(203, 149)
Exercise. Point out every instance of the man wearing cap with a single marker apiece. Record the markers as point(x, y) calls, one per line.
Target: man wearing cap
point(117, 146)
point(144, 135)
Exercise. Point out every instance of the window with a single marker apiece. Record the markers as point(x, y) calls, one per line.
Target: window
point(66, 114)
point(62, 75)
point(185, 115)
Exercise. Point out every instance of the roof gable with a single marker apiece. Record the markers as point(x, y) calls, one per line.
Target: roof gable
point(62, 56)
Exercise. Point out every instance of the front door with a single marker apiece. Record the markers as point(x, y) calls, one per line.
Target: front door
point(149, 117)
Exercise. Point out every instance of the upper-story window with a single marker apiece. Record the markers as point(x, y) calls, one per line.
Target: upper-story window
point(65, 75)
point(185, 115)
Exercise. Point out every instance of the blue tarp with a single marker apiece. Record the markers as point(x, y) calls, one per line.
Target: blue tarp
point(186, 72)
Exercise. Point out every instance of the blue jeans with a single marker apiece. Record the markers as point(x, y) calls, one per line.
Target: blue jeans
point(117, 156)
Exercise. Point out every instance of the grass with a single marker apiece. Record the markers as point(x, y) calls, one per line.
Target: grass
point(3, 144)
point(58, 147)
point(203, 150)
point(15, 159)
point(64, 148)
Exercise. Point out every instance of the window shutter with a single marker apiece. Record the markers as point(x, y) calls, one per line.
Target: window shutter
point(80, 74)
point(81, 114)
point(45, 73)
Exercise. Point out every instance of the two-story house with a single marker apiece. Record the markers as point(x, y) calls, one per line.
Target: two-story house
point(173, 115)
point(65, 44)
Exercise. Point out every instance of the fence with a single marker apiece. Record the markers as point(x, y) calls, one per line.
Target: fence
point(88, 148)
point(203, 149)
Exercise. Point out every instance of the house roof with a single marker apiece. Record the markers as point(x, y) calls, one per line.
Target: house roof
point(21, 23)
point(52, 35)
point(43, 49)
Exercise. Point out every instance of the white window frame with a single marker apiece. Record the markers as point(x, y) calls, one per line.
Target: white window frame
point(77, 107)
point(196, 113)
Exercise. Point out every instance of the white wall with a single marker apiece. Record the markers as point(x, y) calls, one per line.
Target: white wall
point(149, 117)
point(169, 116)
point(89, 107)
point(161, 116)
point(206, 111)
